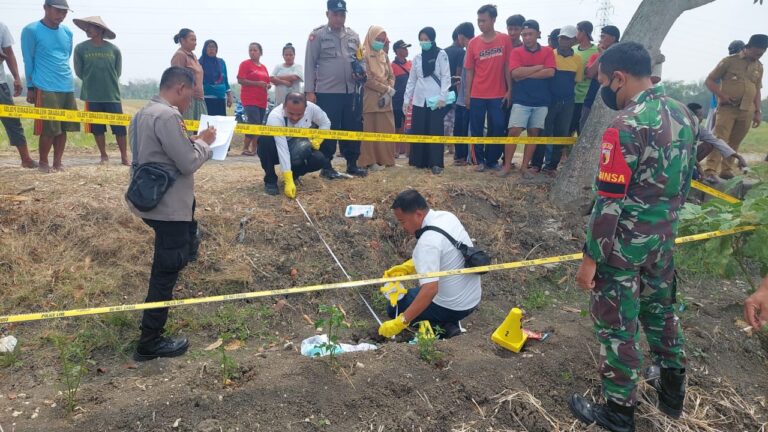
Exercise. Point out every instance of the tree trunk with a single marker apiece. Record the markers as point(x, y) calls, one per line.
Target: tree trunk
point(649, 26)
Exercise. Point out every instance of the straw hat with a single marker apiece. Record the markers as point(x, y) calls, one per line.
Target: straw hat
point(97, 21)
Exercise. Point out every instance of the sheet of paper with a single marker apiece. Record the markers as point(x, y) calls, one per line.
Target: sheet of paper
point(225, 130)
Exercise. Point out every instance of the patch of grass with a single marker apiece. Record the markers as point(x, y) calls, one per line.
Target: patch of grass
point(229, 367)
point(756, 140)
point(12, 359)
point(73, 355)
point(242, 321)
point(567, 376)
point(537, 299)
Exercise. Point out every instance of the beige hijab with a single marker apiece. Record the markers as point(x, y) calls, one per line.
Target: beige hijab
point(377, 62)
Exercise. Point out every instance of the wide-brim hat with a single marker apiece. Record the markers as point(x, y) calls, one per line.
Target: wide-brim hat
point(97, 21)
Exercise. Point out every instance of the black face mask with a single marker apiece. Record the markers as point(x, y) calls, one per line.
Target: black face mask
point(609, 96)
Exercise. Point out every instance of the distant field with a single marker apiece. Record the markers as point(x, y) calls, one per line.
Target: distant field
point(79, 140)
point(756, 141)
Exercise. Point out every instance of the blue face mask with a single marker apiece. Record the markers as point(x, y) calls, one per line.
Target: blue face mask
point(377, 45)
point(426, 46)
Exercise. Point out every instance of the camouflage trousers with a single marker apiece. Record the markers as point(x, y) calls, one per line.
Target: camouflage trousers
point(621, 300)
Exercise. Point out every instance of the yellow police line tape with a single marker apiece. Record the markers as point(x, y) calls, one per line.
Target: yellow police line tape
point(714, 192)
point(25, 112)
point(325, 287)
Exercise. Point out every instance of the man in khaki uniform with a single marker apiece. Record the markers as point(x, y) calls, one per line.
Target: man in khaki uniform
point(738, 95)
point(158, 136)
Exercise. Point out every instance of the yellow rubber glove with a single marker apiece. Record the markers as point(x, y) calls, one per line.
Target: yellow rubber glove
point(393, 327)
point(315, 143)
point(290, 186)
point(406, 268)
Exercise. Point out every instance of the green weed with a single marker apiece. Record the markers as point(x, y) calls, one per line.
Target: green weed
point(332, 322)
point(537, 299)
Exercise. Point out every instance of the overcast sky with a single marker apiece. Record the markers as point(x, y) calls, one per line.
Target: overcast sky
point(145, 28)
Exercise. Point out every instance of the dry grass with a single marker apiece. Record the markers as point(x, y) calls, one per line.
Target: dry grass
point(717, 409)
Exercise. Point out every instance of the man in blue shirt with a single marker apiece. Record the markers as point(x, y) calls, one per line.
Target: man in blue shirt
point(46, 46)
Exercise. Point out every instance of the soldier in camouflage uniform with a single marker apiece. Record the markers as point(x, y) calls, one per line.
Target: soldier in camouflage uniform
point(647, 158)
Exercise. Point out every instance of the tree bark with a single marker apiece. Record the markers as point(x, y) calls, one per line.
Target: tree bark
point(649, 26)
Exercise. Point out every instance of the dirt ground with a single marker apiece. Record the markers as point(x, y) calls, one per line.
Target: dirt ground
point(74, 244)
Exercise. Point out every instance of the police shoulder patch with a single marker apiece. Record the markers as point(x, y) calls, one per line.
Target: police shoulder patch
point(615, 174)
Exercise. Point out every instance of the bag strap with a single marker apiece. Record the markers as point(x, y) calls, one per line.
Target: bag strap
point(134, 146)
point(437, 80)
point(457, 244)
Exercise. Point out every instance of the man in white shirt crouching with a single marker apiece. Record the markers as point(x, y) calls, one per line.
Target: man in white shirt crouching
point(292, 154)
point(442, 302)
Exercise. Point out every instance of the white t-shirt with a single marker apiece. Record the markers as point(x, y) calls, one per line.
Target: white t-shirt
point(6, 40)
point(280, 90)
point(433, 252)
point(313, 115)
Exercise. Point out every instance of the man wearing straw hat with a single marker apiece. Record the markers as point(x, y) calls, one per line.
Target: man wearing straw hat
point(98, 64)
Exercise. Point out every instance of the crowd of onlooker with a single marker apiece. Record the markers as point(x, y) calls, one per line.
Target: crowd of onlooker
point(486, 83)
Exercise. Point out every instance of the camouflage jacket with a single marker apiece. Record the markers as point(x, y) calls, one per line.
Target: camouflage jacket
point(647, 158)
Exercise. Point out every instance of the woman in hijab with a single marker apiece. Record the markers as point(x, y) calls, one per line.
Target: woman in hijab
point(185, 57)
point(377, 101)
point(218, 96)
point(429, 79)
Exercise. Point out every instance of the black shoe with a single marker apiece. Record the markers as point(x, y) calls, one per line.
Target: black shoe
point(329, 173)
point(671, 389)
point(436, 170)
point(611, 416)
point(271, 188)
point(357, 171)
point(161, 347)
point(450, 329)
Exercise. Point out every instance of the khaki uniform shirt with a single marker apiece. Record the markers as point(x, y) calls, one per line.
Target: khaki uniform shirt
point(328, 62)
point(188, 60)
point(157, 131)
point(740, 79)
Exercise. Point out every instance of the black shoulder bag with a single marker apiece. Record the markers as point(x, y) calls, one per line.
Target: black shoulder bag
point(149, 181)
point(472, 257)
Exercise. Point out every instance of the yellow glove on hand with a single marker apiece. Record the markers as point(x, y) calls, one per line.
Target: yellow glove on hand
point(406, 268)
point(393, 327)
point(290, 186)
point(315, 143)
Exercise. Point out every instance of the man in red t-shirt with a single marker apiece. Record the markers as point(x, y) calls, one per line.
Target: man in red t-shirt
point(488, 85)
point(532, 66)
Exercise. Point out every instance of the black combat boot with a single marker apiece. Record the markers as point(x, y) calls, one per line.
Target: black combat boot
point(152, 345)
point(671, 389)
point(353, 169)
point(611, 416)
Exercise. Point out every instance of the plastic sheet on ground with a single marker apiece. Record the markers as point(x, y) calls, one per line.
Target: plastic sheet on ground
point(313, 347)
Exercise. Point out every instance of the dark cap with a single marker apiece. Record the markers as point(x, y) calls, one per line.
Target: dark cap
point(58, 4)
point(586, 27)
point(611, 31)
point(400, 44)
point(758, 41)
point(531, 24)
point(735, 47)
point(337, 5)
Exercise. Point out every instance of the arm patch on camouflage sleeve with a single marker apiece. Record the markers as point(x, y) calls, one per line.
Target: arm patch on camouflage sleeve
point(615, 174)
